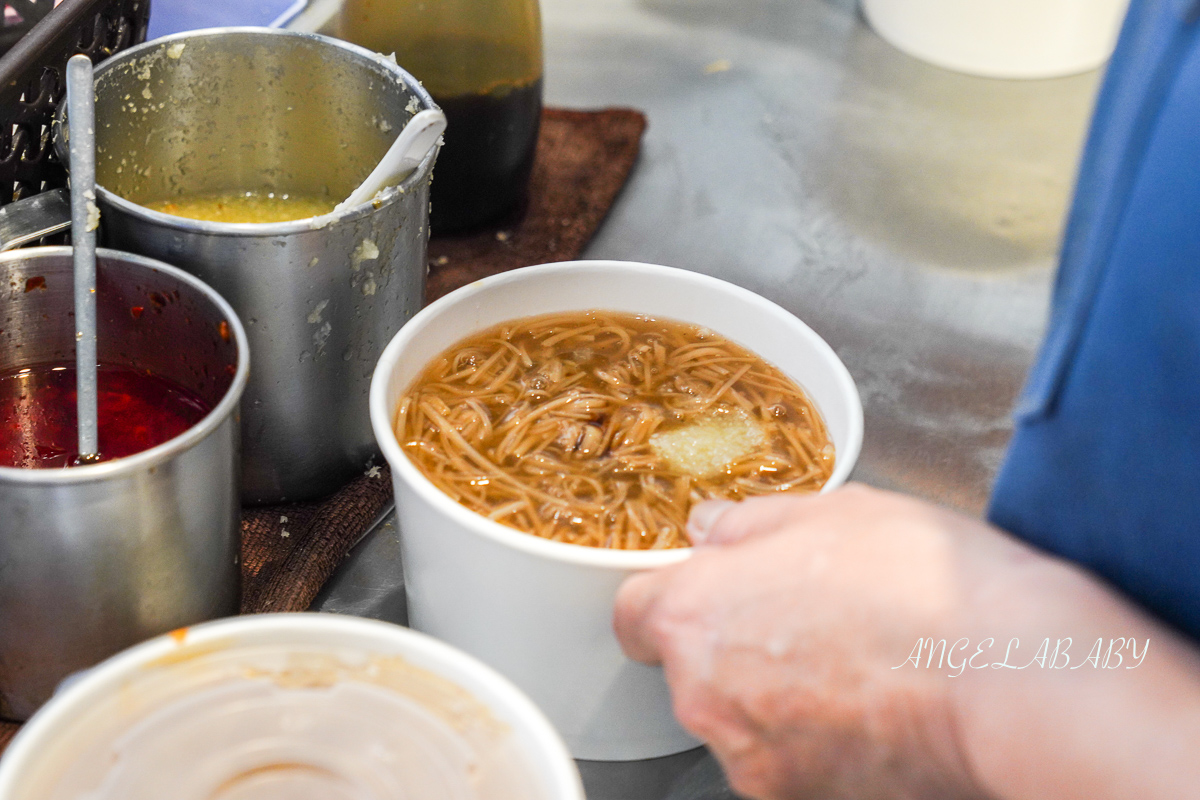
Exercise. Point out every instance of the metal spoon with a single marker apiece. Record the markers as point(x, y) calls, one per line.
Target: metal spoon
point(81, 101)
point(409, 149)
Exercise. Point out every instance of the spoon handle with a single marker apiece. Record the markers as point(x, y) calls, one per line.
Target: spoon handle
point(84, 217)
point(408, 150)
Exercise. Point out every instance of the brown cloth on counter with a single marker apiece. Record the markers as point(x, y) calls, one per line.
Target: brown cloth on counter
point(289, 551)
point(583, 159)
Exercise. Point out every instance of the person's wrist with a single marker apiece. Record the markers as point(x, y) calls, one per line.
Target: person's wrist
point(1054, 712)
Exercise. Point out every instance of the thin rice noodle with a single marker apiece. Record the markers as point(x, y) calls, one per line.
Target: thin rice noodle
point(544, 424)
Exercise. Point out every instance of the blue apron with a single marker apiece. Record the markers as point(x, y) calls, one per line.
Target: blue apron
point(1104, 464)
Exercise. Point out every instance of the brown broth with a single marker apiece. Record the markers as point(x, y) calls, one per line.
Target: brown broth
point(569, 426)
point(483, 168)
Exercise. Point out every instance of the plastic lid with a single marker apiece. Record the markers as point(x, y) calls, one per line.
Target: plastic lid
point(277, 721)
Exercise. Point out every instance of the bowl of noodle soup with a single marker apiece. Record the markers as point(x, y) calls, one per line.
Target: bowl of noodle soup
point(539, 607)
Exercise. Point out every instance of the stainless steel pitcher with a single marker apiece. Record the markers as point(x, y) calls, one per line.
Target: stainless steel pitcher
point(96, 558)
point(246, 109)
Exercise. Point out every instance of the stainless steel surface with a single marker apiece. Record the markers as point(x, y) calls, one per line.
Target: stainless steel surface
point(251, 109)
point(28, 220)
point(81, 100)
point(910, 215)
point(96, 558)
point(368, 583)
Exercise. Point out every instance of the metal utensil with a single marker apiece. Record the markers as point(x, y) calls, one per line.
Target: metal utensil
point(85, 216)
point(98, 557)
point(30, 219)
point(249, 109)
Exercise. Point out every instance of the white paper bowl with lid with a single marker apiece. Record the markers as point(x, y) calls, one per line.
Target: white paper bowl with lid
point(289, 707)
point(541, 611)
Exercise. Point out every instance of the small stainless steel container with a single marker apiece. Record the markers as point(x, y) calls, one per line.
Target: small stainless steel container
point(96, 558)
point(240, 109)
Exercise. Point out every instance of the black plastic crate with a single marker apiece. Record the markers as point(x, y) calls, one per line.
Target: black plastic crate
point(31, 82)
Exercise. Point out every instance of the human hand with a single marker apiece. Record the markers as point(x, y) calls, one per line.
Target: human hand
point(786, 638)
point(779, 635)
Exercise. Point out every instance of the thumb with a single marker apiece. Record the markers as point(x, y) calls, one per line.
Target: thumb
point(632, 615)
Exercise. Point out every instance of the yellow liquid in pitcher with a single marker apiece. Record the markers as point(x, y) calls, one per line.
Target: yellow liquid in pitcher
point(245, 206)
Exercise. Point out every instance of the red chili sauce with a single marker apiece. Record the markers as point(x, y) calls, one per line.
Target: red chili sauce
point(38, 428)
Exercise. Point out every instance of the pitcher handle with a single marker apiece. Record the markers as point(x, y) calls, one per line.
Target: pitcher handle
point(30, 219)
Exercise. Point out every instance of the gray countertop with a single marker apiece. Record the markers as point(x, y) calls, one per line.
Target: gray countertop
point(908, 214)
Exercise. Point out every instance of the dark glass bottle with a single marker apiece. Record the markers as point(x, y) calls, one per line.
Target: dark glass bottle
point(482, 62)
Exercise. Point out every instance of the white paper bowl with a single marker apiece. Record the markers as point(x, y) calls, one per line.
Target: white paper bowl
point(540, 611)
point(1002, 38)
point(289, 706)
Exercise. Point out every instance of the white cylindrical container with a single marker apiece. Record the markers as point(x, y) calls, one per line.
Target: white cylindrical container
point(289, 707)
point(1002, 38)
point(540, 611)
